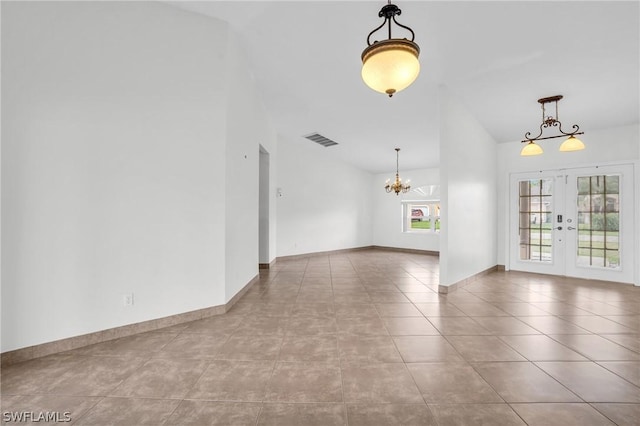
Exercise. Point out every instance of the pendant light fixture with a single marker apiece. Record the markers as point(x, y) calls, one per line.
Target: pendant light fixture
point(571, 144)
point(397, 186)
point(391, 65)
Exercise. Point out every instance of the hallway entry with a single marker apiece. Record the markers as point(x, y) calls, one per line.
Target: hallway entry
point(263, 210)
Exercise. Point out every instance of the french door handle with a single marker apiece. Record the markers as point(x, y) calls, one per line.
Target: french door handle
point(570, 228)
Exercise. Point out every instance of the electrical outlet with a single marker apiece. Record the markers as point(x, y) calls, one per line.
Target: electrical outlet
point(127, 299)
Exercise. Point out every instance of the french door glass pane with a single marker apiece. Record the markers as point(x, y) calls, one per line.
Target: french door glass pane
point(535, 219)
point(599, 221)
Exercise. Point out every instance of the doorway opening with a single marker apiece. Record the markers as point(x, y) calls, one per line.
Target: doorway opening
point(263, 210)
point(574, 222)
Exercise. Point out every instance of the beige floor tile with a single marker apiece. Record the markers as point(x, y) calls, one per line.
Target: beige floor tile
point(305, 382)
point(424, 297)
point(311, 325)
point(600, 308)
point(621, 414)
point(475, 414)
point(390, 414)
point(481, 309)
point(262, 326)
point(309, 348)
point(451, 383)
point(418, 287)
point(367, 349)
point(552, 325)
point(462, 296)
point(388, 297)
point(233, 381)
point(521, 309)
point(523, 382)
point(351, 310)
point(251, 348)
point(596, 348)
point(198, 346)
point(505, 326)
point(541, 348)
point(95, 376)
point(631, 321)
point(369, 326)
point(279, 296)
point(162, 378)
point(313, 309)
point(560, 415)
point(397, 310)
point(458, 326)
point(597, 324)
point(426, 349)
point(439, 310)
point(272, 309)
point(33, 377)
point(138, 345)
point(275, 357)
point(559, 308)
point(494, 295)
point(379, 383)
point(386, 287)
point(214, 413)
point(629, 370)
point(66, 408)
point(591, 382)
point(409, 326)
point(129, 411)
point(314, 296)
point(483, 348)
point(273, 414)
point(629, 341)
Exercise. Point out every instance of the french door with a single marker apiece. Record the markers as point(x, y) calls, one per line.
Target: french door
point(575, 222)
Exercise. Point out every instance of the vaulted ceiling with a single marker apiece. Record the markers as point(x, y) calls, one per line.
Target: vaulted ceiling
point(496, 57)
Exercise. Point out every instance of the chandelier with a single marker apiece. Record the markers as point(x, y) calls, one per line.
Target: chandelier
point(397, 186)
point(391, 65)
point(571, 144)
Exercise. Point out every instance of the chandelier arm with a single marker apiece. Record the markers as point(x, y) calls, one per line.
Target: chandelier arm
point(528, 137)
point(552, 137)
point(575, 131)
point(413, 35)
point(371, 33)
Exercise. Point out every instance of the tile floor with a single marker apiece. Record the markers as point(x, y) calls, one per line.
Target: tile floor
point(364, 339)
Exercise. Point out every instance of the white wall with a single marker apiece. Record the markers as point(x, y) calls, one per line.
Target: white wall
point(116, 151)
point(468, 180)
point(387, 209)
point(325, 204)
point(603, 146)
point(247, 128)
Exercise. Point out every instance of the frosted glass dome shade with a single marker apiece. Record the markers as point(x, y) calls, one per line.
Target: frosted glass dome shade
point(572, 144)
point(531, 148)
point(390, 66)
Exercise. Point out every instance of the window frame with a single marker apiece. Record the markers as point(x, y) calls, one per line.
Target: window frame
point(433, 208)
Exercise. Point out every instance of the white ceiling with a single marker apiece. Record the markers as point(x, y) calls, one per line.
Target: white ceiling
point(497, 57)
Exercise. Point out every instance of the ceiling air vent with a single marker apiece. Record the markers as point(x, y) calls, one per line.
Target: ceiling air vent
point(321, 140)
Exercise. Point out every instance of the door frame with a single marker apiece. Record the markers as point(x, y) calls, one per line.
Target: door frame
point(635, 167)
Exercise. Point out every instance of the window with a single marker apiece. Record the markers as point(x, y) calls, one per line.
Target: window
point(421, 216)
point(535, 219)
